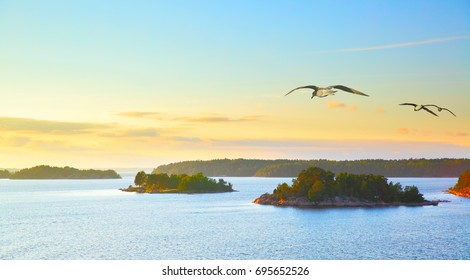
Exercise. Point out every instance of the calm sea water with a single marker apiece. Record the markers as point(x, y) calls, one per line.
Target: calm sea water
point(92, 219)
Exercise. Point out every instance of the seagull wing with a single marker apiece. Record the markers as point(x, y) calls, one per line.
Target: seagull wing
point(427, 110)
point(348, 89)
point(411, 104)
point(449, 111)
point(441, 108)
point(310, 87)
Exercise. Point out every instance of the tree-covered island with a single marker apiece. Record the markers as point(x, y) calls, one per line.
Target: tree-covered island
point(53, 172)
point(182, 183)
point(317, 188)
point(462, 188)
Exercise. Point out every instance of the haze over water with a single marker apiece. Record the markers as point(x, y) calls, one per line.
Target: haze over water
point(92, 219)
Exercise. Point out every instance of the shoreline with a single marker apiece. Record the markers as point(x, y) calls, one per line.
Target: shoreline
point(172, 191)
point(465, 193)
point(300, 202)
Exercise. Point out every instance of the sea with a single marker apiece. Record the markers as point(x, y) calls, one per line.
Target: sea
point(94, 220)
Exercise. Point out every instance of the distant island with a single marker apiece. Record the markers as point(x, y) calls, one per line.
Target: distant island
point(52, 172)
point(182, 183)
point(445, 167)
point(462, 188)
point(317, 188)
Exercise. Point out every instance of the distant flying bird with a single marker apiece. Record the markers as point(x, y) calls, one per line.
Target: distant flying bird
point(419, 107)
point(441, 108)
point(325, 91)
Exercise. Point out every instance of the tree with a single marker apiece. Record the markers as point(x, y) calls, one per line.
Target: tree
point(316, 192)
point(411, 194)
point(140, 178)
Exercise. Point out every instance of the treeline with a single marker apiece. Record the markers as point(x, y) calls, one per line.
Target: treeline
point(52, 172)
point(444, 167)
point(160, 183)
point(4, 174)
point(318, 185)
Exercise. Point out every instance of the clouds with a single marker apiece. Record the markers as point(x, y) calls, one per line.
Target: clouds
point(199, 118)
point(339, 105)
point(339, 149)
point(406, 44)
point(46, 126)
point(143, 115)
point(216, 118)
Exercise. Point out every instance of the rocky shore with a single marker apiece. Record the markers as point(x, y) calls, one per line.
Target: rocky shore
point(337, 202)
point(463, 193)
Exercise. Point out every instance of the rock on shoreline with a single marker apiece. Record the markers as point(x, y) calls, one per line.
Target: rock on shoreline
point(337, 202)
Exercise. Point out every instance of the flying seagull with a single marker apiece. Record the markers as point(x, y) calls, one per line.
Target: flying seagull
point(419, 107)
point(325, 91)
point(441, 108)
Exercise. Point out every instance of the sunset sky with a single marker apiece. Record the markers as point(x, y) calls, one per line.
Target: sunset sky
point(108, 84)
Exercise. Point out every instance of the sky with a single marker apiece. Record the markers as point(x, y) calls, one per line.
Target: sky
point(114, 84)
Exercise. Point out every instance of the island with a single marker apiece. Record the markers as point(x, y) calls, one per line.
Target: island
point(182, 183)
point(462, 188)
point(53, 172)
point(316, 188)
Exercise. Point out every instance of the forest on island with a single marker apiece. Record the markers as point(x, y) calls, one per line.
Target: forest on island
point(444, 167)
point(53, 172)
point(462, 187)
point(318, 185)
point(162, 182)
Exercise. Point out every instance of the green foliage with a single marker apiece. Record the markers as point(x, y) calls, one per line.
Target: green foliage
point(290, 168)
point(161, 182)
point(48, 172)
point(4, 174)
point(317, 184)
point(411, 194)
point(140, 179)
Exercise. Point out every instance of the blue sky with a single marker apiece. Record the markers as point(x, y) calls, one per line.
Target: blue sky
point(204, 75)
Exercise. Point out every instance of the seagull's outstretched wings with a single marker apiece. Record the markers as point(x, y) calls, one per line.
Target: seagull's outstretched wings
point(310, 87)
point(348, 89)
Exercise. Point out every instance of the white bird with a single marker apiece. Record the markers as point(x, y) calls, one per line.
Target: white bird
point(419, 107)
point(441, 108)
point(325, 91)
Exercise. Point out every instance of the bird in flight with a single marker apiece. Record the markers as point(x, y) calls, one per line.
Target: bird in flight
point(325, 91)
point(419, 107)
point(441, 108)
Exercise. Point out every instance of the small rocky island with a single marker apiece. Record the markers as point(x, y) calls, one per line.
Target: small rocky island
point(462, 188)
point(182, 183)
point(317, 188)
point(52, 172)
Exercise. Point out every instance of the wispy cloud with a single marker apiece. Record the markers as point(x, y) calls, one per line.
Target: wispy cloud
point(201, 118)
point(137, 133)
point(458, 134)
point(380, 110)
point(46, 126)
point(340, 149)
point(144, 115)
point(406, 44)
point(215, 118)
point(15, 141)
point(339, 105)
